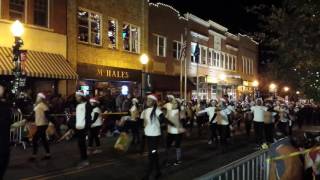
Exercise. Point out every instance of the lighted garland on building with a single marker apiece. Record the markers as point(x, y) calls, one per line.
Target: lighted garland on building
point(170, 7)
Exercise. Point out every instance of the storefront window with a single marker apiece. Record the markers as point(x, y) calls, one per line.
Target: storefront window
point(131, 38)
point(112, 33)
point(17, 10)
point(41, 9)
point(89, 27)
point(176, 49)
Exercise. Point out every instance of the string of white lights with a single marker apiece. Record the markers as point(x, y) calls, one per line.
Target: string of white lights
point(170, 7)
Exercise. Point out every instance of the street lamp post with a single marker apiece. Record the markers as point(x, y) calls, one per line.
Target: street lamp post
point(273, 89)
point(255, 85)
point(286, 89)
point(17, 31)
point(144, 59)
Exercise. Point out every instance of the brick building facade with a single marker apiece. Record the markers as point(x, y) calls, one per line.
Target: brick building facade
point(105, 41)
point(44, 39)
point(166, 28)
point(227, 62)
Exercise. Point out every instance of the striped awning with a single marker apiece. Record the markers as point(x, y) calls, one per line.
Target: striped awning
point(38, 64)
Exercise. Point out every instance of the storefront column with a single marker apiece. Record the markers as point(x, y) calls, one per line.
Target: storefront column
point(209, 91)
point(219, 91)
point(71, 86)
point(62, 87)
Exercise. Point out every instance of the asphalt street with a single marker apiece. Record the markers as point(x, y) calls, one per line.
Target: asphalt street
point(198, 159)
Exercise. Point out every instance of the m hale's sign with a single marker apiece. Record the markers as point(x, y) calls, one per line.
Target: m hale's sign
point(106, 73)
point(113, 73)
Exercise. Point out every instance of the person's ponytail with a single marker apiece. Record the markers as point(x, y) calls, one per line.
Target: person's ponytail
point(153, 112)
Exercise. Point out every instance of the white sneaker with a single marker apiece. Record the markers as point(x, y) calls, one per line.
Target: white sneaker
point(83, 164)
point(210, 142)
point(97, 151)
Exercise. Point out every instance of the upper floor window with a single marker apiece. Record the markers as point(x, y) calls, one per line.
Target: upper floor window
point(247, 65)
point(227, 61)
point(131, 38)
point(176, 49)
point(89, 27)
point(17, 10)
point(41, 9)
point(112, 33)
point(161, 45)
point(193, 49)
point(232, 61)
point(216, 59)
point(222, 60)
point(209, 57)
point(203, 55)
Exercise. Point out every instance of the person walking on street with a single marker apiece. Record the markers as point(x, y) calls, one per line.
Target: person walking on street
point(283, 119)
point(5, 122)
point(134, 121)
point(223, 120)
point(168, 105)
point(269, 120)
point(83, 117)
point(175, 132)
point(258, 120)
point(41, 114)
point(95, 127)
point(248, 118)
point(152, 117)
point(211, 112)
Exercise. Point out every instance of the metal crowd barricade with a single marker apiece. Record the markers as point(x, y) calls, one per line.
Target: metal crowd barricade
point(252, 167)
point(16, 134)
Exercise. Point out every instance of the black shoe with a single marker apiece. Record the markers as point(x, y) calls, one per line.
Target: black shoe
point(158, 175)
point(32, 159)
point(46, 157)
point(146, 177)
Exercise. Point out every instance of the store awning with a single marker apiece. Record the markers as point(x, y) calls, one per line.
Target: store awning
point(38, 64)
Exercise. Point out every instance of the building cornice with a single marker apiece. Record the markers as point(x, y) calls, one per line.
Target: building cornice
point(250, 38)
point(232, 36)
point(213, 33)
point(196, 19)
point(200, 36)
point(232, 48)
point(217, 26)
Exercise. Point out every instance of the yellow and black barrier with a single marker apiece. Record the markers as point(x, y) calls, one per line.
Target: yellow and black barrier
point(282, 157)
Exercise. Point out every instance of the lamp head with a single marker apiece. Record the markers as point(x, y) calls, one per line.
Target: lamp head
point(255, 83)
point(144, 59)
point(17, 29)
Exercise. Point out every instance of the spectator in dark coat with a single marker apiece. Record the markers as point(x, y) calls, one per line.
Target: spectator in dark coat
point(5, 122)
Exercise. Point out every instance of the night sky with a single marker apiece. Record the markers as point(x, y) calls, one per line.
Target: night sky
point(229, 13)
